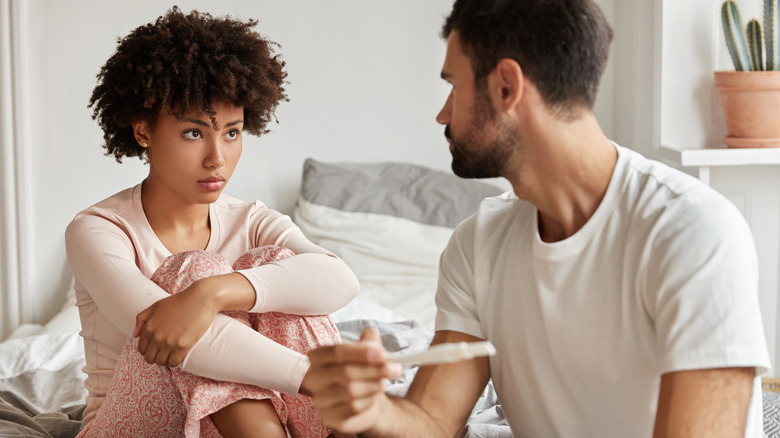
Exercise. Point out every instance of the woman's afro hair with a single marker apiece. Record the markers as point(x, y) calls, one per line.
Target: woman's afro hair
point(181, 63)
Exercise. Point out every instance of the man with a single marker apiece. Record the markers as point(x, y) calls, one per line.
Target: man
point(621, 295)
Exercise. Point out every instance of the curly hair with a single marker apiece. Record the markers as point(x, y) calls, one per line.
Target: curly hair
point(181, 63)
point(561, 45)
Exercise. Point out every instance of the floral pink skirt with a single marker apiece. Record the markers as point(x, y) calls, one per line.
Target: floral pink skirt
point(148, 400)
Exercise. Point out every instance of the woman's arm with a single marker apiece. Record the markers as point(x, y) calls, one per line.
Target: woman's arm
point(167, 329)
point(305, 284)
point(102, 257)
point(313, 282)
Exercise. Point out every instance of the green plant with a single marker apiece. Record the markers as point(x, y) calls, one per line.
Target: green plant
point(745, 47)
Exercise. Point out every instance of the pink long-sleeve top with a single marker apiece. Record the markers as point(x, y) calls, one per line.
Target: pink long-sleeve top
point(113, 252)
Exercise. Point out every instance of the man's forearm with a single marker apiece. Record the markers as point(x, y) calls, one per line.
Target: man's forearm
point(404, 418)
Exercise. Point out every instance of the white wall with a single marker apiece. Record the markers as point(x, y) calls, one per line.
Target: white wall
point(693, 49)
point(363, 84)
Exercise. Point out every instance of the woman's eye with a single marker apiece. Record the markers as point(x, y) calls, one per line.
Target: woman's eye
point(233, 134)
point(192, 135)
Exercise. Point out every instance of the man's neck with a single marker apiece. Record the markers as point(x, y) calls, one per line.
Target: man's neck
point(565, 173)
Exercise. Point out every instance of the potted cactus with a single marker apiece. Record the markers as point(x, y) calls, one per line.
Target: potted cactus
point(750, 95)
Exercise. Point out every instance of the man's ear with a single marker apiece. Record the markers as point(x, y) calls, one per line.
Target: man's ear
point(509, 83)
point(141, 132)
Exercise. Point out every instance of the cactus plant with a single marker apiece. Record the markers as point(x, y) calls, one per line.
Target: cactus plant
point(747, 53)
point(772, 34)
point(754, 45)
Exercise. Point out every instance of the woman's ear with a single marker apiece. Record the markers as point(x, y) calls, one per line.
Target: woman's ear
point(141, 132)
point(509, 82)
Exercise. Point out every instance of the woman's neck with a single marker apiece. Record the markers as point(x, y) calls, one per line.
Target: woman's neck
point(180, 226)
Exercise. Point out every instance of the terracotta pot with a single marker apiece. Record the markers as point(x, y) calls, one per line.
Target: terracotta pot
point(751, 107)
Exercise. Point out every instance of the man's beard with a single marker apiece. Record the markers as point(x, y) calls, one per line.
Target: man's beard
point(479, 153)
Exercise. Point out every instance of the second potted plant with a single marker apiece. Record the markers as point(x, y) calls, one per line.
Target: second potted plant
point(750, 95)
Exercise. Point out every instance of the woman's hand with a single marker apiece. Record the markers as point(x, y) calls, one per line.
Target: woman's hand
point(168, 329)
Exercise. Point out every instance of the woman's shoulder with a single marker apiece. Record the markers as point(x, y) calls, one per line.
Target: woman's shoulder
point(229, 207)
point(117, 211)
point(230, 203)
point(114, 205)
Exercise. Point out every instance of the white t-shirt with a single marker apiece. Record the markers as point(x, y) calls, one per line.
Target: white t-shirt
point(663, 277)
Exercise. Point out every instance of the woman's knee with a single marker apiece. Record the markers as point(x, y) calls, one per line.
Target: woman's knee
point(301, 333)
point(262, 255)
point(180, 270)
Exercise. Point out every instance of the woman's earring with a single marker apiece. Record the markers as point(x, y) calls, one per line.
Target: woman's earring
point(145, 145)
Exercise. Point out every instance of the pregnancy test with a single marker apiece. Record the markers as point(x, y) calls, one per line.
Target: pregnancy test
point(446, 353)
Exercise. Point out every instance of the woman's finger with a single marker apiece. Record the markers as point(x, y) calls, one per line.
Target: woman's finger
point(176, 358)
point(162, 357)
point(150, 354)
point(143, 343)
point(140, 320)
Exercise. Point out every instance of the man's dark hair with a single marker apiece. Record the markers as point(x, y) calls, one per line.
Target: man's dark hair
point(181, 63)
point(561, 45)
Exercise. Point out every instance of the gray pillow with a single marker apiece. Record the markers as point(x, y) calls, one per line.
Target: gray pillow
point(402, 190)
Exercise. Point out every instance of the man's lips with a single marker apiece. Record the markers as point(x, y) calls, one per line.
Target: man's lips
point(213, 183)
point(447, 136)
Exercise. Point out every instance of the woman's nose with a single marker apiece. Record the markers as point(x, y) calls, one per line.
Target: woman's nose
point(215, 157)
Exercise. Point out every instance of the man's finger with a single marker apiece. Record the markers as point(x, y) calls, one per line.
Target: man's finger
point(389, 370)
point(359, 353)
point(370, 335)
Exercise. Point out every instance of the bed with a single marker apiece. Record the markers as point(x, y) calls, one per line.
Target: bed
point(388, 221)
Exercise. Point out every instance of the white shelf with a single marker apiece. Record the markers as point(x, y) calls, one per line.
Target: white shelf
point(720, 156)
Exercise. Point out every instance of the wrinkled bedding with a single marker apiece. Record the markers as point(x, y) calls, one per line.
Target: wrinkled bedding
point(41, 386)
point(42, 392)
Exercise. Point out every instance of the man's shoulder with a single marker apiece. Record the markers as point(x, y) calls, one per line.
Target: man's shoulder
point(493, 208)
point(664, 204)
point(654, 175)
point(499, 205)
point(654, 185)
point(495, 216)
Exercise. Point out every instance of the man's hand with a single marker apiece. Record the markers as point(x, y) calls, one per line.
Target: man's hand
point(347, 384)
point(168, 329)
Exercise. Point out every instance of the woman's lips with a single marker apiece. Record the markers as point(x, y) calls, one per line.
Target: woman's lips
point(214, 183)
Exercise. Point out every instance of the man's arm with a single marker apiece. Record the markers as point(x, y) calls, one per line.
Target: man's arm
point(709, 402)
point(345, 382)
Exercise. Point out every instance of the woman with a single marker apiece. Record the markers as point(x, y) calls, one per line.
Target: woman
point(179, 93)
